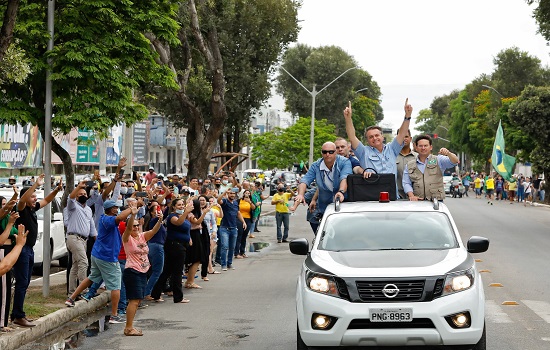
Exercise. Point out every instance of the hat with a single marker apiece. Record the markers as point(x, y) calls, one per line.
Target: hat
point(12, 177)
point(160, 176)
point(109, 204)
point(151, 168)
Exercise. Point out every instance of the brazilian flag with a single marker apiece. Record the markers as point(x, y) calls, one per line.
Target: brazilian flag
point(502, 162)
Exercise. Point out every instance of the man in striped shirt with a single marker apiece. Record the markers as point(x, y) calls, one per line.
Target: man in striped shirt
point(80, 227)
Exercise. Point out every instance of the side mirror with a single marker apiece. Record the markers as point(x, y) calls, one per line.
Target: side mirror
point(299, 246)
point(57, 216)
point(477, 244)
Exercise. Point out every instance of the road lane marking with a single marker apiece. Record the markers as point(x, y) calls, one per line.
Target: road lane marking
point(494, 313)
point(541, 308)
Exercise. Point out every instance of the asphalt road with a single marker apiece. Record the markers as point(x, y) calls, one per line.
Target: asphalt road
point(253, 306)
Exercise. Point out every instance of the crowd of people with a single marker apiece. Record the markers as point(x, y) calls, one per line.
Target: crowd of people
point(519, 188)
point(151, 238)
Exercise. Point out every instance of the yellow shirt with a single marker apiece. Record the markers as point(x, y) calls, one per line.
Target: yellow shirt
point(245, 208)
point(512, 185)
point(282, 207)
point(490, 184)
point(218, 214)
point(477, 182)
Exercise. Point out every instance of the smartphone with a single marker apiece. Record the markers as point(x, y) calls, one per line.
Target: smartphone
point(141, 194)
point(90, 183)
point(159, 183)
point(235, 189)
point(121, 173)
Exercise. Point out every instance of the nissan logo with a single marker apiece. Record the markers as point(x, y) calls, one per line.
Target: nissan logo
point(390, 290)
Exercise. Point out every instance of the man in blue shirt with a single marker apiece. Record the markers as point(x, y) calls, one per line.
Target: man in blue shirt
point(330, 173)
point(227, 231)
point(105, 252)
point(377, 155)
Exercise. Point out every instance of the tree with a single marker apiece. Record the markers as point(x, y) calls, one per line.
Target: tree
point(222, 65)
point(514, 70)
point(319, 67)
point(531, 113)
point(364, 114)
point(100, 57)
point(8, 24)
point(281, 148)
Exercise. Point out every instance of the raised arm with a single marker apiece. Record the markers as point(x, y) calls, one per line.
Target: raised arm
point(350, 129)
point(52, 195)
point(23, 200)
point(404, 129)
point(9, 260)
point(6, 234)
point(129, 225)
point(149, 234)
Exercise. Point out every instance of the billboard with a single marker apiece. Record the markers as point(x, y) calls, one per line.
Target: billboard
point(140, 144)
point(21, 146)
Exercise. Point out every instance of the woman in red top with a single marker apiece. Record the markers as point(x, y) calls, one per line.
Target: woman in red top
point(137, 264)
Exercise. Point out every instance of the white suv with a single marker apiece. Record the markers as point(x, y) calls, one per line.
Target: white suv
point(390, 274)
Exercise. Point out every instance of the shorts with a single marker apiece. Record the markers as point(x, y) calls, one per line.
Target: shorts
point(135, 283)
point(107, 271)
point(490, 192)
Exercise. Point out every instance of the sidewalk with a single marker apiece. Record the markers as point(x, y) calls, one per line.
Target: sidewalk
point(21, 336)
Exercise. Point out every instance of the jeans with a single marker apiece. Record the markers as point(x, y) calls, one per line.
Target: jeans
point(227, 239)
point(93, 289)
point(240, 245)
point(253, 223)
point(22, 271)
point(282, 218)
point(156, 258)
point(218, 254)
point(123, 302)
point(541, 194)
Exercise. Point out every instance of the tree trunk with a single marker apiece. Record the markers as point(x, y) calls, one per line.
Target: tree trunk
point(67, 163)
point(6, 33)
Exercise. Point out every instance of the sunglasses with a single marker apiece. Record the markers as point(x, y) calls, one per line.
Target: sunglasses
point(136, 225)
point(325, 151)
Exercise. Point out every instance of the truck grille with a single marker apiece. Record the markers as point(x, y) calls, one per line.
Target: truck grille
point(371, 291)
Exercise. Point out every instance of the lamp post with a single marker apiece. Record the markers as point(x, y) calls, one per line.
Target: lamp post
point(314, 94)
point(363, 89)
point(492, 88)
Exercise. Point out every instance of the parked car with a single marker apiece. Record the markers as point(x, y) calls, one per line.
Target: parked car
point(390, 274)
point(286, 177)
point(447, 183)
point(267, 178)
point(58, 248)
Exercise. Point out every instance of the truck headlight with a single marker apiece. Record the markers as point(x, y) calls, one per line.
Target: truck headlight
point(457, 282)
point(322, 284)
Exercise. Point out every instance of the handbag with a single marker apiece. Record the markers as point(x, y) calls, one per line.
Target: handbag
point(361, 189)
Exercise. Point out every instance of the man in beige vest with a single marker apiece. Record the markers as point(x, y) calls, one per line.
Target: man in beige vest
point(423, 176)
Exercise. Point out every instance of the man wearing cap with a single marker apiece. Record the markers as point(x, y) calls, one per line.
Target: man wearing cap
point(27, 207)
point(151, 176)
point(105, 265)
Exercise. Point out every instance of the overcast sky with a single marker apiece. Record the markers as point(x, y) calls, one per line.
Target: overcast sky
point(420, 49)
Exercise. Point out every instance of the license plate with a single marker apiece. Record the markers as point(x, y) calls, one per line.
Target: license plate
point(391, 315)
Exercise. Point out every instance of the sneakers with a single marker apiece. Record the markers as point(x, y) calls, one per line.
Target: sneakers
point(116, 319)
point(121, 312)
point(285, 241)
point(279, 241)
point(231, 267)
point(69, 302)
point(224, 268)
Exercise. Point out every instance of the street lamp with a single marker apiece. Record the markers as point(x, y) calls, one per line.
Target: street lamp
point(314, 94)
point(363, 89)
point(492, 88)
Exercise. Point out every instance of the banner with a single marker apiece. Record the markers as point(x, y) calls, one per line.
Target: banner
point(88, 148)
point(502, 162)
point(20, 146)
point(140, 144)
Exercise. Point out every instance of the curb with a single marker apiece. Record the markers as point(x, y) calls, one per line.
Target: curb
point(46, 324)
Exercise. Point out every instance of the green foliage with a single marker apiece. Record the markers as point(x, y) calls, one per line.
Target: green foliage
point(531, 114)
point(281, 148)
point(319, 67)
point(100, 57)
point(515, 70)
point(14, 67)
point(364, 110)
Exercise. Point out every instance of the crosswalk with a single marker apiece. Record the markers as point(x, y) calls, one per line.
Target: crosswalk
point(496, 313)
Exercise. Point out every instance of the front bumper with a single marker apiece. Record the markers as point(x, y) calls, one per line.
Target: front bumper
point(441, 333)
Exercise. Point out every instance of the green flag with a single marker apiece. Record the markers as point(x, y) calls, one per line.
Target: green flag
point(502, 162)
